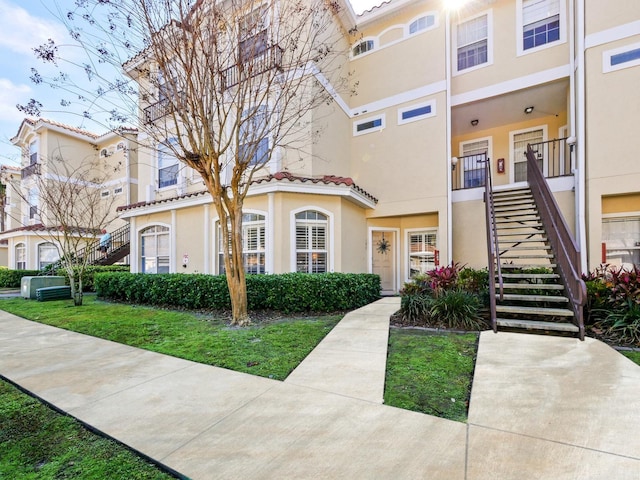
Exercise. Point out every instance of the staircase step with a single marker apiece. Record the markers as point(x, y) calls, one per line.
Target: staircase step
point(530, 286)
point(509, 206)
point(512, 191)
point(527, 276)
point(550, 312)
point(524, 247)
point(520, 257)
point(522, 227)
point(513, 199)
point(527, 266)
point(534, 325)
point(534, 298)
point(521, 240)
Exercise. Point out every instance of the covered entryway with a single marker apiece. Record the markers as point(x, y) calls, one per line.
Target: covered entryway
point(384, 259)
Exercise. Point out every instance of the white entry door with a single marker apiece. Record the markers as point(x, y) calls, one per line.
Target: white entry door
point(384, 253)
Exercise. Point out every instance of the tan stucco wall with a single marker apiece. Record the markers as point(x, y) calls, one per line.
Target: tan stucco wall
point(602, 15)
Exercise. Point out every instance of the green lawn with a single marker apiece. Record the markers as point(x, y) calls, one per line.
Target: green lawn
point(633, 356)
point(430, 373)
point(39, 443)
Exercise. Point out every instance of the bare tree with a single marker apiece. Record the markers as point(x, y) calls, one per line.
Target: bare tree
point(72, 210)
point(227, 86)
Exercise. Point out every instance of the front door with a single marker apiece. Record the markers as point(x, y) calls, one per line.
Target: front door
point(383, 259)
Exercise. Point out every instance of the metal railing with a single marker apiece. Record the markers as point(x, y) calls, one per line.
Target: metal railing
point(565, 248)
point(493, 251)
point(555, 157)
point(116, 247)
point(250, 67)
point(163, 107)
point(33, 169)
point(471, 173)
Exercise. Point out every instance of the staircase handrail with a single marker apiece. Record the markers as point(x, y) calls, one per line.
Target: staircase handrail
point(565, 248)
point(493, 251)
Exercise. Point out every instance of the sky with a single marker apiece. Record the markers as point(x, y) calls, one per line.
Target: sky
point(24, 25)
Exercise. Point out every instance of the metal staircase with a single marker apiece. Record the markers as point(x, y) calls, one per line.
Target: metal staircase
point(534, 271)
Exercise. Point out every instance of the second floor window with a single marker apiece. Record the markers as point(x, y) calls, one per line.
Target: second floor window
point(473, 42)
point(254, 138)
point(168, 165)
point(541, 22)
point(33, 152)
point(253, 34)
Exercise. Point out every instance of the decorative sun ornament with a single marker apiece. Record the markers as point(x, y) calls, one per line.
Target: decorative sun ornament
point(383, 246)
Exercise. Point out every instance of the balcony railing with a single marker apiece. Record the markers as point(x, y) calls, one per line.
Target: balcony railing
point(256, 65)
point(163, 107)
point(553, 156)
point(33, 169)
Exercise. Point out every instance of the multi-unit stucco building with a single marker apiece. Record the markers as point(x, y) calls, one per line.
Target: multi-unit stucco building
point(46, 145)
point(393, 185)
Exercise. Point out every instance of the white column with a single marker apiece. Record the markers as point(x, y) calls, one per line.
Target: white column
point(174, 246)
point(133, 246)
point(207, 239)
point(271, 234)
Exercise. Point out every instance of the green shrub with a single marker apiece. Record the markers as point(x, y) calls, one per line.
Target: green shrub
point(473, 281)
point(88, 282)
point(12, 278)
point(415, 307)
point(456, 309)
point(624, 323)
point(598, 294)
point(289, 292)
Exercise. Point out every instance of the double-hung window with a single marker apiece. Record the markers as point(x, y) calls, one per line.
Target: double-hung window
point(253, 34)
point(253, 244)
point(34, 201)
point(472, 44)
point(474, 156)
point(520, 142)
point(168, 165)
point(154, 249)
point(312, 231)
point(254, 138)
point(21, 256)
point(540, 22)
point(33, 152)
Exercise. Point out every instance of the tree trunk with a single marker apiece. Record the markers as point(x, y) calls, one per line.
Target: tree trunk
point(239, 303)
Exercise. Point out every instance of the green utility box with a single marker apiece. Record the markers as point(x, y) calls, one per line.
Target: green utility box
point(29, 285)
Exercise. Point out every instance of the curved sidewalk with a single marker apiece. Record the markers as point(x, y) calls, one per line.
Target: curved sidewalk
point(541, 407)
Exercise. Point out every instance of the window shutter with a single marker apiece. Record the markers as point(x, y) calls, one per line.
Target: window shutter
point(536, 10)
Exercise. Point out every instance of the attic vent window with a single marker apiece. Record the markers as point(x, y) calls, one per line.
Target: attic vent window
point(362, 47)
point(117, 191)
point(368, 125)
point(623, 57)
point(416, 112)
point(421, 24)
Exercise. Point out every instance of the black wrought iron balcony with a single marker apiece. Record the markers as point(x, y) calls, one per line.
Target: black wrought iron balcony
point(162, 108)
point(257, 64)
point(33, 169)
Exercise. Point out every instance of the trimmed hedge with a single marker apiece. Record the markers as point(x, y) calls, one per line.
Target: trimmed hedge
point(289, 292)
point(12, 278)
point(90, 272)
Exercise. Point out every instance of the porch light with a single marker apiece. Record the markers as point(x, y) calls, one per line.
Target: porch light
point(474, 122)
point(454, 162)
point(528, 110)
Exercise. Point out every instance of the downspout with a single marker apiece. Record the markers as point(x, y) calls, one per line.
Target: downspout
point(447, 50)
point(581, 117)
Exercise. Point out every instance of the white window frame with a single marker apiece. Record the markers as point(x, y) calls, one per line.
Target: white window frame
point(330, 236)
point(141, 234)
point(512, 154)
point(374, 46)
point(262, 249)
point(429, 103)
point(23, 249)
point(520, 30)
point(262, 110)
point(361, 121)
point(454, 50)
point(42, 264)
point(619, 216)
point(253, 35)
point(417, 18)
point(407, 246)
point(607, 56)
point(33, 153)
point(159, 159)
point(461, 147)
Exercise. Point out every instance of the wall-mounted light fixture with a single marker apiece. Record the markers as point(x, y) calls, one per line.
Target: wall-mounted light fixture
point(528, 110)
point(474, 122)
point(454, 162)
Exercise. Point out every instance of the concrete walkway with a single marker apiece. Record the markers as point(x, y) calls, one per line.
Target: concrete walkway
point(541, 407)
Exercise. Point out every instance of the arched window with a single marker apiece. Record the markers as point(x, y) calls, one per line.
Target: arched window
point(21, 256)
point(253, 244)
point(154, 249)
point(421, 23)
point(47, 254)
point(363, 47)
point(312, 233)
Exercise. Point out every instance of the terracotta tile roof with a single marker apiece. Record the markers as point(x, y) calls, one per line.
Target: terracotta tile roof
point(277, 177)
point(121, 130)
point(375, 7)
point(39, 227)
